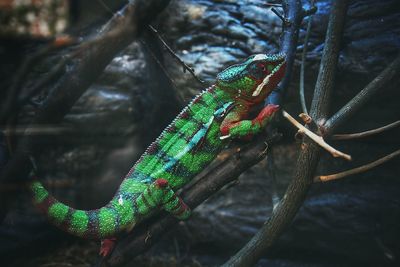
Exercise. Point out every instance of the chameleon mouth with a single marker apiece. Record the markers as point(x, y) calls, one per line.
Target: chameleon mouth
point(278, 57)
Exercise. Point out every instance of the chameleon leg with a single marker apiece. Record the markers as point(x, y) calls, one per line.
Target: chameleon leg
point(107, 246)
point(157, 194)
point(160, 194)
point(233, 126)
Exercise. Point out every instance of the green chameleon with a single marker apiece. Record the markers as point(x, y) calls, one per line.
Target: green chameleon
point(184, 148)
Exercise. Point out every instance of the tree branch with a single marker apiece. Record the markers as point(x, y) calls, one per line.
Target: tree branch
point(174, 55)
point(316, 138)
point(9, 105)
point(94, 56)
point(366, 133)
point(309, 156)
point(364, 168)
point(142, 238)
point(348, 110)
point(293, 14)
point(303, 62)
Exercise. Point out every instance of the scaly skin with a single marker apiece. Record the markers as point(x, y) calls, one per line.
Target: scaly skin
point(184, 148)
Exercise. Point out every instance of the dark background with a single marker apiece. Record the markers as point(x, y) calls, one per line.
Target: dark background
point(351, 222)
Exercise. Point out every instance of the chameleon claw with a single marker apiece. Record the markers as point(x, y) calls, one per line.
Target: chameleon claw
point(224, 137)
point(107, 247)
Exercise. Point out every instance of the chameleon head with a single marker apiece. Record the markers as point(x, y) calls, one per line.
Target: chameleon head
point(255, 78)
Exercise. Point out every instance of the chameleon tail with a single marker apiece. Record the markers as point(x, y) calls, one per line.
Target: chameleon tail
point(101, 223)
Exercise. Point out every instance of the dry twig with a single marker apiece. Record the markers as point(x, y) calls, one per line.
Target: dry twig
point(174, 55)
point(316, 138)
point(364, 168)
point(366, 133)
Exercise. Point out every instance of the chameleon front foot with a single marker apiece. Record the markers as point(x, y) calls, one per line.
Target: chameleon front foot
point(107, 246)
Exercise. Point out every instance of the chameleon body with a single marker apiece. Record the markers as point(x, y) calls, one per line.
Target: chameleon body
point(184, 148)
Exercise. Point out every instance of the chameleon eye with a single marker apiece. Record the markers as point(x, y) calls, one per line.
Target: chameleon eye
point(262, 67)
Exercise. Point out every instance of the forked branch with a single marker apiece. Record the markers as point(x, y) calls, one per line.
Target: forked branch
point(309, 156)
point(316, 138)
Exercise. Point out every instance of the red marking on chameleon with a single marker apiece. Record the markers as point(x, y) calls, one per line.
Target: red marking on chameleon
point(182, 208)
point(161, 183)
point(267, 111)
point(152, 148)
point(197, 99)
point(170, 199)
point(185, 114)
point(107, 246)
point(67, 222)
point(225, 129)
point(132, 169)
point(46, 203)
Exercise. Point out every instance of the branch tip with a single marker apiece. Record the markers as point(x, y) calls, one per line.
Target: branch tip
point(361, 169)
point(316, 138)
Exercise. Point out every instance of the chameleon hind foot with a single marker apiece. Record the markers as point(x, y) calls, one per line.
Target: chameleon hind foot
point(160, 194)
point(171, 202)
point(107, 246)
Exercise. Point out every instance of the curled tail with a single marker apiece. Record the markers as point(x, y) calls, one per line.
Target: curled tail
point(134, 201)
point(118, 215)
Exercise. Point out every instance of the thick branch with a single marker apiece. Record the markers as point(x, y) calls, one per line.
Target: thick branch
point(362, 97)
point(309, 156)
point(94, 56)
point(142, 239)
point(10, 103)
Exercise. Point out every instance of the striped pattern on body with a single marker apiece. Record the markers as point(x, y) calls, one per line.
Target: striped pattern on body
point(182, 150)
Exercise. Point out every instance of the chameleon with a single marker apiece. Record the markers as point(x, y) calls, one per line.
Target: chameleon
point(183, 149)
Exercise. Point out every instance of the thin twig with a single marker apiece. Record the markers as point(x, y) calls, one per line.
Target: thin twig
point(303, 63)
point(316, 138)
point(174, 55)
point(376, 85)
point(363, 168)
point(153, 56)
point(36, 130)
point(313, 9)
point(366, 133)
point(289, 40)
point(284, 20)
point(106, 7)
point(274, 5)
